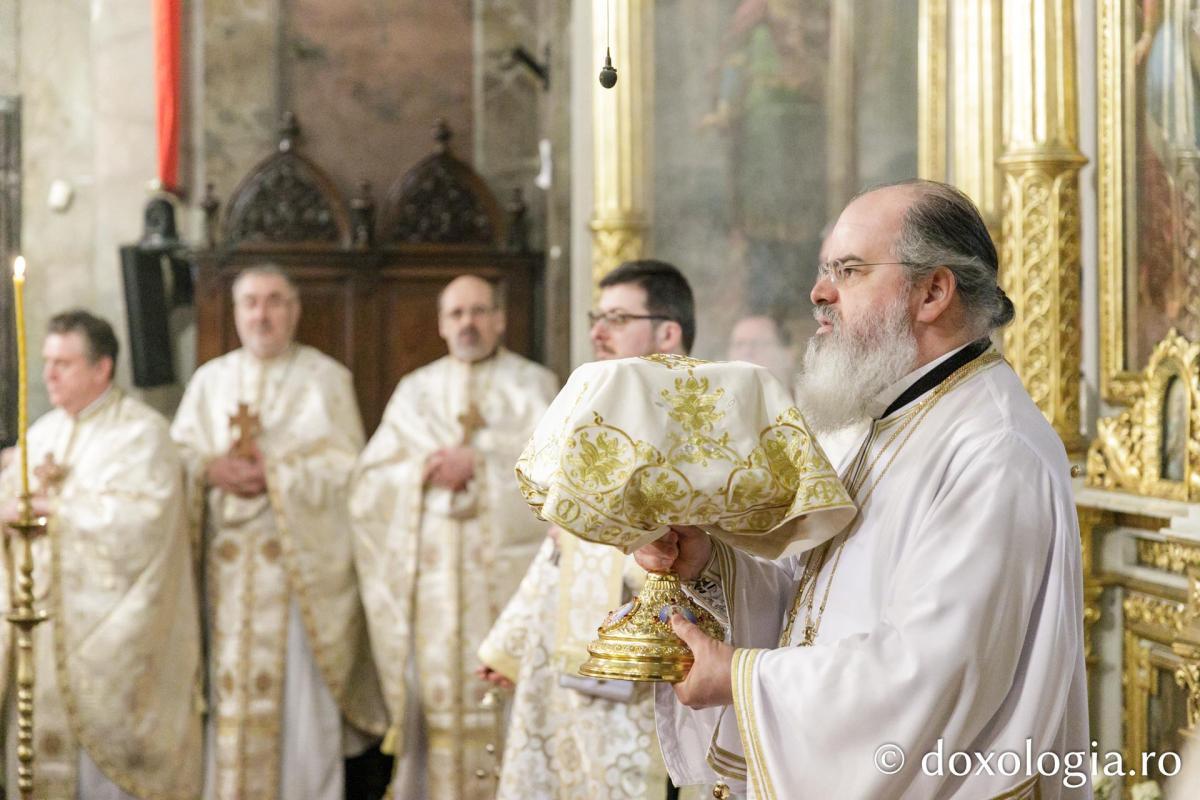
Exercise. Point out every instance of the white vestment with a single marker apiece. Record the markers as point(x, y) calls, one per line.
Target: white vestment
point(953, 623)
point(289, 657)
point(117, 711)
point(437, 566)
point(564, 743)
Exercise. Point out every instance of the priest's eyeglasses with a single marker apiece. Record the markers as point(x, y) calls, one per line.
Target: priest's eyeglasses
point(842, 272)
point(619, 319)
point(474, 312)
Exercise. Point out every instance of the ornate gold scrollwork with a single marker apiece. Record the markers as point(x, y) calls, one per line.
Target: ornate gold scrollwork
point(1132, 452)
point(1172, 556)
point(1161, 618)
point(1093, 586)
point(1187, 647)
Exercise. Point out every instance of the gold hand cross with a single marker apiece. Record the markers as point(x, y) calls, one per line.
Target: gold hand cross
point(471, 421)
point(49, 474)
point(247, 426)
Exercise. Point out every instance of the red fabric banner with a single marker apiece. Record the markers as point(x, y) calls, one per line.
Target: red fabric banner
point(166, 86)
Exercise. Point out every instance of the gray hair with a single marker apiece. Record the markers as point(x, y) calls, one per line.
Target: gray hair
point(943, 228)
point(266, 269)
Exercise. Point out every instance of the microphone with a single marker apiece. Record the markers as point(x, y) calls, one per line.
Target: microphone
point(608, 73)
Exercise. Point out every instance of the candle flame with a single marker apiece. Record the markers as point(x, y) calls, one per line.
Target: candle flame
point(19, 267)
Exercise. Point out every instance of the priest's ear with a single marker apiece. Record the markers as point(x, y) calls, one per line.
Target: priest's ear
point(668, 337)
point(935, 294)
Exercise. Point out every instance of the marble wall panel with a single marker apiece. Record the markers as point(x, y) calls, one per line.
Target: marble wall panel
point(58, 144)
point(367, 80)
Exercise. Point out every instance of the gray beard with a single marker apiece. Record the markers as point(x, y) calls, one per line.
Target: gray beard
point(845, 369)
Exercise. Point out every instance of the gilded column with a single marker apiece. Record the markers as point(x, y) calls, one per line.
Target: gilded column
point(976, 85)
point(1039, 242)
point(932, 43)
point(621, 130)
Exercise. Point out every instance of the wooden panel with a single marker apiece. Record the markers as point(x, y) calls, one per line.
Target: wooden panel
point(374, 312)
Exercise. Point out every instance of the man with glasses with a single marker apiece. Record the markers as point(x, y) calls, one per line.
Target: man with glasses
point(574, 737)
point(945, 623)
point(269, 434)
point(442, 536)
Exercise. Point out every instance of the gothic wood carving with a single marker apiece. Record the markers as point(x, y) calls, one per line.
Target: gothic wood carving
point(440, 201)
point(287, 199)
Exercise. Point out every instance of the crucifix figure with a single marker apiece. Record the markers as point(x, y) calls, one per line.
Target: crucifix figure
point(247, 426)
point(471, 421)
point(50, 475)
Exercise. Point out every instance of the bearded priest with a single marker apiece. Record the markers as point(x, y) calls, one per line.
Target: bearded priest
point(443, 536)
point(117, 703)
point(946, 620)
point(269, 434)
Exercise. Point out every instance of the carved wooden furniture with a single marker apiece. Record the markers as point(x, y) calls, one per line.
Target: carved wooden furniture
point(368, 287)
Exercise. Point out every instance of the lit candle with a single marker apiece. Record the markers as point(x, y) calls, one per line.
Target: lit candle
point(22, 390)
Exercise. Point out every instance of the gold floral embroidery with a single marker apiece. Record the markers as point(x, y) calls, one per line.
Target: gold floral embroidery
point(672, 361)
point(692, 405)
point(598, 458)
point(609, 487)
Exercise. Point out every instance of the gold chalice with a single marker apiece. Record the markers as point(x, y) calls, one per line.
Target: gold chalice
point(635, 642)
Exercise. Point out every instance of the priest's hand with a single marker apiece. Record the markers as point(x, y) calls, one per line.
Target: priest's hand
point(710, 680)
point(451, 468)
point(486, 673)
point(11, 511)
point(684, 549)
point(244, 477)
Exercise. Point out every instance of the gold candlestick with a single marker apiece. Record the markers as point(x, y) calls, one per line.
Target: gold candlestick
point(23, 615)
point(25, 618)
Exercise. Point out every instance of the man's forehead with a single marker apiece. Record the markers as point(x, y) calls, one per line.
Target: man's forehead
point(868, 223)
point(65, 344)
point(462, 293)
point(262, 286)
point(467, 298)
point(623, 296)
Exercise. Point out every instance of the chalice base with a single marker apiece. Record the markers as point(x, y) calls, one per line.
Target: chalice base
point(635, 642)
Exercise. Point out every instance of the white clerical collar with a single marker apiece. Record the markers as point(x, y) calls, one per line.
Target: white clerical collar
point(881, 401)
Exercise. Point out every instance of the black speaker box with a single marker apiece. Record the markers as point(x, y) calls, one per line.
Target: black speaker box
point(147, 308)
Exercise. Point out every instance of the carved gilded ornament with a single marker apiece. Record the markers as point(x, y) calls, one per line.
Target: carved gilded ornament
point(1137, 450)
point(1093, 587)
point(1172, 556)
point(1139, 680)
point(1187, 647)
point(614, 243)
point(1164, 618)
point(1040, 272)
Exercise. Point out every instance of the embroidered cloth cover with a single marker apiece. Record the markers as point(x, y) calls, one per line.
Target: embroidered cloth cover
point(632, 446)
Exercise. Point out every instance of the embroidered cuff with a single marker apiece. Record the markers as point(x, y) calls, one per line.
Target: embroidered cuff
point(742, 679)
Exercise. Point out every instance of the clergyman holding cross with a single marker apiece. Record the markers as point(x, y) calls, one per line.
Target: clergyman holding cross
point(269, 434)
